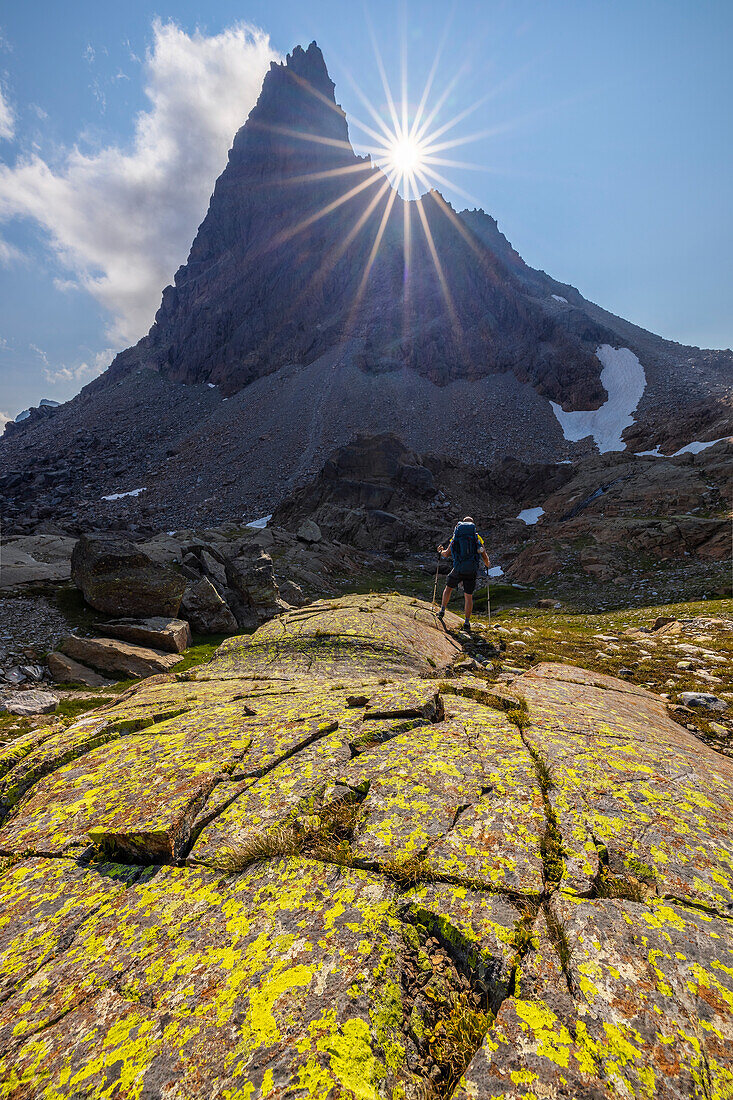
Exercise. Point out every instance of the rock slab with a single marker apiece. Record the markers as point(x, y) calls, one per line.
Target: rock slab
point(324, 864)
point(65, 670)
point(116, 656)
point(157, 632)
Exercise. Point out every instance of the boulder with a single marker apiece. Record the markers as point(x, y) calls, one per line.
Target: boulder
point(158, 632)
point(27, 703)
point(292, 593)
point(66, 670)
point(118, 578)
point(309, 532)
point(206, 611)
point(703, 699)
point(255, 595)
point(113, 655)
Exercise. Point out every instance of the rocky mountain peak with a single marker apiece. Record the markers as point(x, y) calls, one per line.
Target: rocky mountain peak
point(310, 65)
point(296, 117)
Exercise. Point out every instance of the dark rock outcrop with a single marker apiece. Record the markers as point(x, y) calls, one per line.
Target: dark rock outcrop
point(205, 609)
point(254, 595)
point(117, 577)
point(377, 494)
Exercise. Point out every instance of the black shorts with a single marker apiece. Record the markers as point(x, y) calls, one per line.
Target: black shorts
point(468, 580)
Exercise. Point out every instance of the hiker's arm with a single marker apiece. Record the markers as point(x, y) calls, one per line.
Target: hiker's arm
point(444, 553)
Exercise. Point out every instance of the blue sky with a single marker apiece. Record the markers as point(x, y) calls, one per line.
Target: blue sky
point(604, 153)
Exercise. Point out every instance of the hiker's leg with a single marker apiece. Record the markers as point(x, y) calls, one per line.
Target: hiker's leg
point(447, 593)
point(468, 604)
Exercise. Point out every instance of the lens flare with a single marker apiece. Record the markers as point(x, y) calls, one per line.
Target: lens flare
point(406, 156)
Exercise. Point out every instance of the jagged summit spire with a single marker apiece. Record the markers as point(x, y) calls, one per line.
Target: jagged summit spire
point(297, 98)
point(310, 65)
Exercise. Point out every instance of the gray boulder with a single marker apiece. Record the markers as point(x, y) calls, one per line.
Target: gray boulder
point(213, 568)
point(159, 632)
point(309, 532)
point(27, 703)
point(206, 611)
point(118, 578)
point(703, 699)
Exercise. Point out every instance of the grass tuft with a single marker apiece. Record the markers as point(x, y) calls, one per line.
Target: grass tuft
point(408, 872)
point(324, 836)
point(455, 1039)
point(609, 885)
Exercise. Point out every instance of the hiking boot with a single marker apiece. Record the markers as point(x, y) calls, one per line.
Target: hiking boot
point(467, 626)
point(441, 614)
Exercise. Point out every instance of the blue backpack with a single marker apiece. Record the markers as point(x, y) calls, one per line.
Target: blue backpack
point(464, 548)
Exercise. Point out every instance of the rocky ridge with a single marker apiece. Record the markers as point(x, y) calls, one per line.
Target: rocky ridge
point(330, 861)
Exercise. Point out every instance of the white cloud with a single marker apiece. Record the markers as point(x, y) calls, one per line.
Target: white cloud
point(122, 220)
point(82, 372)
point(4, 418)
point(7, 118)
point(9, 254)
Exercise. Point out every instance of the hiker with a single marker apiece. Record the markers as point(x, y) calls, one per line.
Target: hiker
point(466, 547)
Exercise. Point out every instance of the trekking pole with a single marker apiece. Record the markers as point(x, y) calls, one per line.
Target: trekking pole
point(435, 586)
point(488, 597)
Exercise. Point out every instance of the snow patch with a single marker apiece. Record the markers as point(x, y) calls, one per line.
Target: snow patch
point(22, 415)
point(559, 298)
point(49, 403)
point(624, 380)
point(693, 448)
point(259, 524)
point(530, 515)
point(696, 446)
point(211, 385)
point(496, 571)
point(131, 493)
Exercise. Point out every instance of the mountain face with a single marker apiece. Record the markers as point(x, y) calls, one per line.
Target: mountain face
point(277, 273)
point(317, 304)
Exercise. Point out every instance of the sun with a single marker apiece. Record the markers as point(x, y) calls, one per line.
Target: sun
point(406, 156)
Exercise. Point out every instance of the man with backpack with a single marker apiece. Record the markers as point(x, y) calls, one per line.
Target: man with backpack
point(466, 548)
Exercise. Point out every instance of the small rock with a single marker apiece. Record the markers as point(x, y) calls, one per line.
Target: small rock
point(15, 676)
point(27, 703)
point(703, 699)
point(32, 672)
point(626, 672)
point(309, 532)
point(720, 729)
